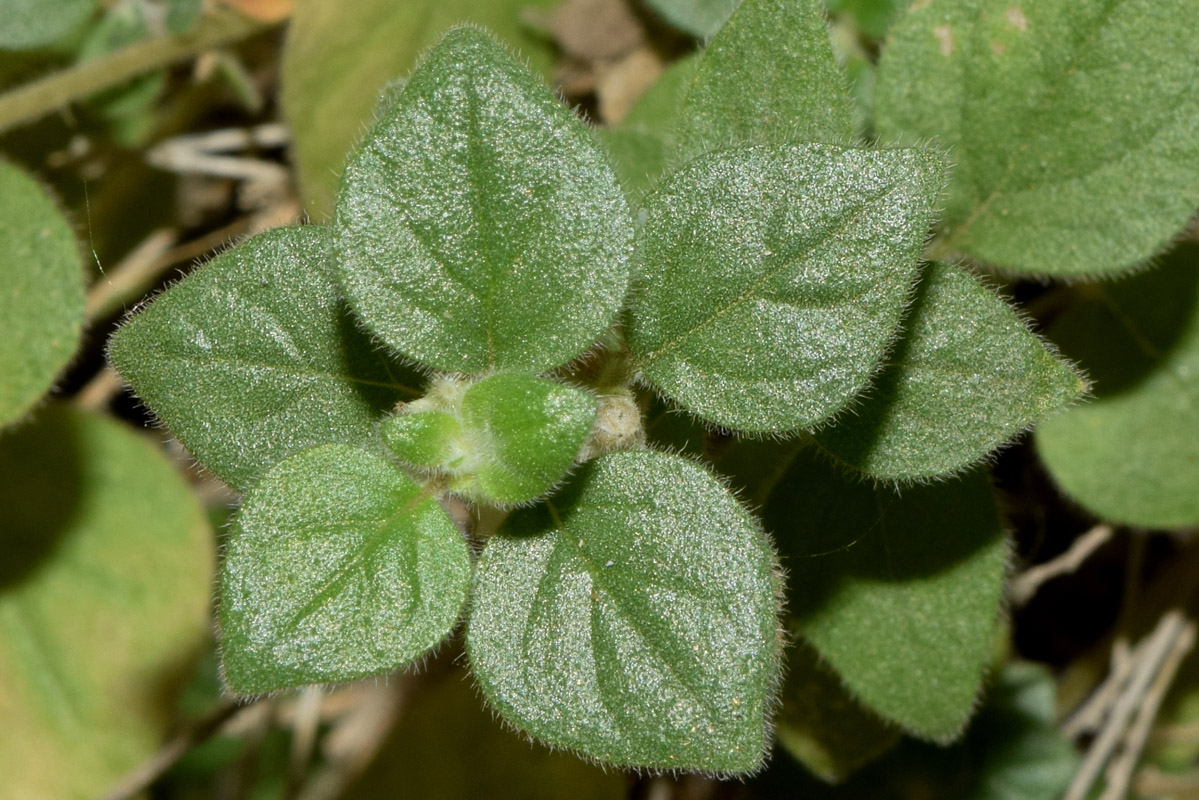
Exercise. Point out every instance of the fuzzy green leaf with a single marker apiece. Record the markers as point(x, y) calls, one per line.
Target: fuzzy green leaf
point(529, 431)
point(700, 18)
point(30, 24)
point(822, 726)
point(338, 56)
point(338, 566)
point(735, 100)
point(426, 439)
point(966, 376)
point(105, 586)
point(1071, 125)
point(899, 593)
point(41, 292)
point(632, 618)
point(479, 226)
point(1131, 455)
point(773, 278)
point(506, 439)
point(253, 358)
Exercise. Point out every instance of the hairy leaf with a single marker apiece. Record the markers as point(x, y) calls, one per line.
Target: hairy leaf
point(529, 431)
point(700, 18)
point(506, 439)
point(41, 292)
point(735, 99)
point(772, 279)
point(1132, 454)
point(253, 358)
point(899, 593)
point(338, 56)
point(966, 376)
point(427, 439)
point(479, 226)
point(338, 566)
point(1071, 125)
point(104, 598)
point(632, 618)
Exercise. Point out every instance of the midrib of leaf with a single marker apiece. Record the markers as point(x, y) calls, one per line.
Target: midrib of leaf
point(647, 640)
point(1130, 327)
point(1143, 343)
point(342, 572)
point(387, 273)
point(244, 364)
point(481, 209)
point(1027, 134)
point(768, 275)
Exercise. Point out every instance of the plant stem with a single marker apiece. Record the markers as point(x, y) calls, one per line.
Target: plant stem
point(34, 100)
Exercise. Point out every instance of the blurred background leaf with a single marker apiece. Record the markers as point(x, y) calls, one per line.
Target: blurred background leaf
point(104, 601)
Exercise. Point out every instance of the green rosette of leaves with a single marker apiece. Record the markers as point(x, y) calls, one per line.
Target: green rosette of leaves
point(480, 235)
point(476, 323)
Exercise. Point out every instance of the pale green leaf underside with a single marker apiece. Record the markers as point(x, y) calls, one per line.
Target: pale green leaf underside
point(632, 619)
point(638, 158)
point(768, 77)
point(773, 278)
point(41, 292)
point(966, 376)
point(338, 566)
point(1071, 125)
point(254, 357)
point(1131, 455)
point(700, 18)
point(479, 225)
point(898, 592)
point(338, 56)
point(105, 586)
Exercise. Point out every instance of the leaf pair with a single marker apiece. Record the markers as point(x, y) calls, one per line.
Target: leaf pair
point(782, 316)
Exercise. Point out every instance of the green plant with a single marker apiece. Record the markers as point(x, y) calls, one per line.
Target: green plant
point(688, 417)
point(632, 615)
